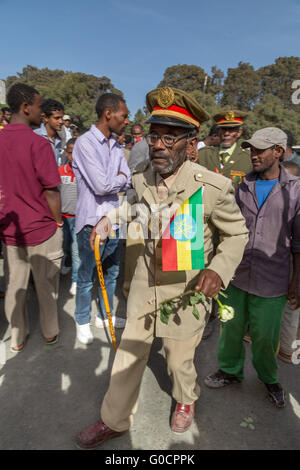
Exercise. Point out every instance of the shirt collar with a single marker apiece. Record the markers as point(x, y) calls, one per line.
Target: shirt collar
point(44, 134)
point(101, 137)
point(229, 151)
point(43, 130)
point(169, 180)
point(284, 176)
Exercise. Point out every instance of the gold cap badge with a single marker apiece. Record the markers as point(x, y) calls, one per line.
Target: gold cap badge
point(230, 116)
point(165, 97)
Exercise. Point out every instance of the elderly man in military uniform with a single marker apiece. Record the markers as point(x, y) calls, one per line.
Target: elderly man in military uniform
point(229, 159)
point(169, 178)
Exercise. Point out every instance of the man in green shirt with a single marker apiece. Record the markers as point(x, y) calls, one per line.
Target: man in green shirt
point(229, 159)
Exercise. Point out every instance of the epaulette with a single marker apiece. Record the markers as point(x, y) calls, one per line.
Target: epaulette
point(210, 177)
point(208, 147)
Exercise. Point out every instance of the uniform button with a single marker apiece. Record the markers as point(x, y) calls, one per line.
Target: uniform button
point(158, 283)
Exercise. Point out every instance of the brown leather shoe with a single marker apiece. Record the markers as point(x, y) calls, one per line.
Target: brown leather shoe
point(182, 417)
point(94, 435)
point(51, 340)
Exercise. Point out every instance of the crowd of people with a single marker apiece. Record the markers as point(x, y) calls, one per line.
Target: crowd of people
point(61, 192)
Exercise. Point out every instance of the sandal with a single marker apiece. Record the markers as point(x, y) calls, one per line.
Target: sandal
point(285, 357)
point(17, 349)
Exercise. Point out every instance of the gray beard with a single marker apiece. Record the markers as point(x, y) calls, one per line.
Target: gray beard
point(164, 171)
point(171, 168)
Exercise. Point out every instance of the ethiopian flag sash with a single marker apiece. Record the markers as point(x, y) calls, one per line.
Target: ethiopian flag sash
point(182, 241)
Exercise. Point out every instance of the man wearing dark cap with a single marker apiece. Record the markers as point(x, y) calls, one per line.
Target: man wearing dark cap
point(269, 200)
point(169, 179)
point(229, 158)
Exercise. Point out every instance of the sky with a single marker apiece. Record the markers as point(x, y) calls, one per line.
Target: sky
point(132, 42)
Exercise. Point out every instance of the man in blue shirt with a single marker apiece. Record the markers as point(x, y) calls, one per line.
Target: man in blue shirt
point(53, 112)
point(269, 200)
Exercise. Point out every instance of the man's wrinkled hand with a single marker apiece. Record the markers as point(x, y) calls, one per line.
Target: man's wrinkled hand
point(209, 283)
point(102, 229)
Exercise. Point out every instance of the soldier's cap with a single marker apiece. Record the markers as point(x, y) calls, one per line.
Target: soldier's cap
point(266, 138)
point(229, 118)
point(174, 107)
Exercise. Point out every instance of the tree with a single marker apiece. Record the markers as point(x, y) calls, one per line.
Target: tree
point(270, 112)
point(78, 92)
point(209, 104)
point(215, 83)
point(185, 77)
point(241, 87)
point(265, 93)
point(141, 117)
point(277, 79)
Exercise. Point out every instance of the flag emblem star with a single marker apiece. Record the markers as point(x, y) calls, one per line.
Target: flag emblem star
point(183, 228)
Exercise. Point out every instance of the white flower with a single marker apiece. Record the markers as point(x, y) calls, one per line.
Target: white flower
point(226, 313)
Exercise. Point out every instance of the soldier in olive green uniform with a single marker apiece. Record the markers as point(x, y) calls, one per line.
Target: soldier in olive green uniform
point(169, 179)
point(229, 159)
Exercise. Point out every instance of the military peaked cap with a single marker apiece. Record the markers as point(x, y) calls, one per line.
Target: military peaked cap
point(174, 107)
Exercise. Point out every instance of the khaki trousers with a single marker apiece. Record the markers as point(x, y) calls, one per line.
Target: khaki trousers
point(134, 248)
point(44, 261)
point(290, 329)
point(121, 399)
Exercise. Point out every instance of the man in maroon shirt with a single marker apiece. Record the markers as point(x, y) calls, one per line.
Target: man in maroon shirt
point(30, 217)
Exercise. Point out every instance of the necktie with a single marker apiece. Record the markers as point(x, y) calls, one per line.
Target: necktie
point(223, 157)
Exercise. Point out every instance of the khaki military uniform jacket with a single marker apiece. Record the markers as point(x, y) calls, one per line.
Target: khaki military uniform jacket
point(150, 285)
point(238, 165)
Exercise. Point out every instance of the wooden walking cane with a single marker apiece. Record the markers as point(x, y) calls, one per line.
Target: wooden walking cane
point(103, 289)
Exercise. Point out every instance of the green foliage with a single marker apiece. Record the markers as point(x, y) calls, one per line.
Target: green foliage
point(271, 112)
point(189, 298)
point(207, 101)
point(78, 92)
point(185, 77)
point(276, 79)
point(169, 307)
point(215, 84)
point(264, 93)
point(241, 87)
point(141, 117)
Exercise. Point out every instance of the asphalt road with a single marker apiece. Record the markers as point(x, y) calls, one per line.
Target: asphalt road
point(49, 393)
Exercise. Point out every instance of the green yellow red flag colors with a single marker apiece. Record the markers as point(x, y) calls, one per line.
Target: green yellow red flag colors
point(182, 241)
